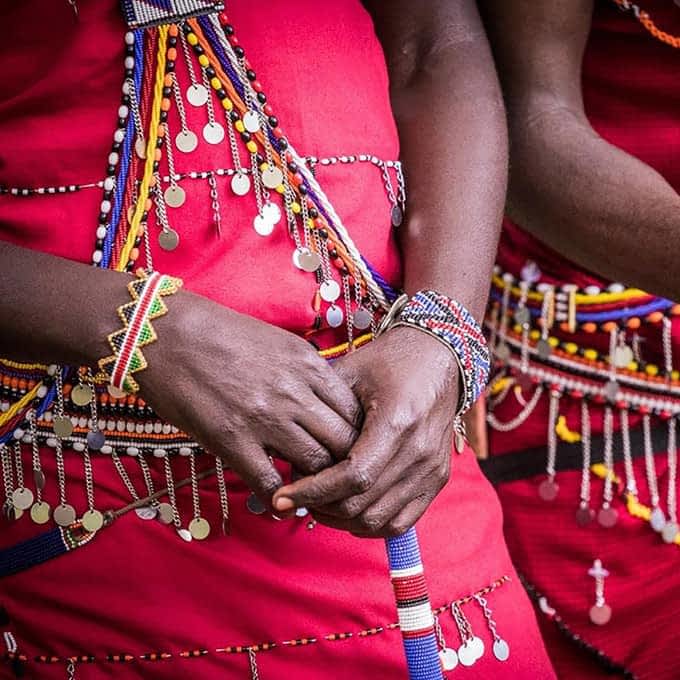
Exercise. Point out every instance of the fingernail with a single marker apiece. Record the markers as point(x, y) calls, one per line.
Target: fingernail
point(283, 504)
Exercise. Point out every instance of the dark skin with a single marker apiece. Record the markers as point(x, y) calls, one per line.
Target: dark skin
point(384, 412)
point(624, 228)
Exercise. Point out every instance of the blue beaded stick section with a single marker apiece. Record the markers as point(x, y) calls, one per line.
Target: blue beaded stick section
point(416, 620)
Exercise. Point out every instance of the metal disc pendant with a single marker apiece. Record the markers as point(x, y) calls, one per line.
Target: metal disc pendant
point(522, 316)
point(255, 505)
point(466, 654)
point(502, 352)
point(397, 217)
point(140, 148)
point(548, 489)
point(608, 517)
point(543, 349)
point(95, 439)
point(175, 196)
point(146, 512)
point(657, 519)
point(40, 512)
point(459, 441)
point(199, 528)
point(362, 319)
point(185, 535)
point(611, 390)
point(600, 615)
point(92, 520)
point(168, 239)
point(448, 658)
point(501, 649)
point(584, 516)
point(251, 121)
point(64, 515)
point(197, 94)
point(623, 355)
point(329, 290)
point(334, 316)
point(165, 513)
point(213, 133)
point(22, 498)
point(115, 392)
point(14, 513)
point(262, 226)
point(669, 532)
point(240, 184)
point(477, 646)
point(271, 212)
point(309, 260)
point(186, 141)
point(62, 426)
point(81, 395)
point(272, 177)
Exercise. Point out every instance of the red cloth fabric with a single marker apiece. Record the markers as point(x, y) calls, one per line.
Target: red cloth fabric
point(632, 100)
point(138, 588)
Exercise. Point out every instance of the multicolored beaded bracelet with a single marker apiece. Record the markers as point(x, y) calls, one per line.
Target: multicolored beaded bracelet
point(127, 358)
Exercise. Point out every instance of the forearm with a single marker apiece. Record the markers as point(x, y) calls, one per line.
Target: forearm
point(449, 112)
point(55, 310)
point(592, 202)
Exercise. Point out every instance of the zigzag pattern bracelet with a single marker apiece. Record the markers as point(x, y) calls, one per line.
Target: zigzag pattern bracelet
point(147, 291)
point(452, 324)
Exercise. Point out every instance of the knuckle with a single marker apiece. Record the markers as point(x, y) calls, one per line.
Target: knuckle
point(259, 407)
point(370, 523)
point(350, 508)
point(396, 528)
point(315, 459)
point(361, 480)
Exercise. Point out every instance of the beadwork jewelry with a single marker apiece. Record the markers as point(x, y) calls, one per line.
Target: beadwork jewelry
point(600, 613)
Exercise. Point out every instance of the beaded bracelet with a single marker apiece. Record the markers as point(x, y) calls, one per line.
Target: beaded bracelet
point(147, 291)
point(452, 324)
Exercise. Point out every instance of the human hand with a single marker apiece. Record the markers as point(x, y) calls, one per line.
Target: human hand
point(245, 389)
point(407, 383)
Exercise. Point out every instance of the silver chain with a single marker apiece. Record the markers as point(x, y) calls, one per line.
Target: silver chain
point(650, 468)
point(520, 418)
point(553, 410)
point(631, 483)
point(608, 456)
point(585, 441)
point(672, 471)
point(482, 602)
point(215, 203)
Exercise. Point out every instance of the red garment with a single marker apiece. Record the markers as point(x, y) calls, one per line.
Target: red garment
point(632, 100)
point(138, 589)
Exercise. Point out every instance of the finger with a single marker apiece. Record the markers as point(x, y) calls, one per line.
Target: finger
point(251, 463)
point(408, 517)
point(328, 428)
point(373, 449)
point(336, 391)
point(305, 453)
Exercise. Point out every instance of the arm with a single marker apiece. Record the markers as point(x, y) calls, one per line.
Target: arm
point(451, 123)
point(590, 201)
point(214, 385)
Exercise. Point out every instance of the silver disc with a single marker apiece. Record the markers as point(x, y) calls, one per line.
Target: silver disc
point(548, 490)
point(262, 226)
point(251, 121)
point(140, 148)
point(197, 94)
point(115, 392)
point(199, 528)
point(329, 290)
point(213, 133)
point(62, 426)
point(81, 395)
point(334, 316)
point(501, 649)
point(95, 439)
point(240, 184)
point(64, 515)
point(272, 177)
point(600, 615)
point(146, 512)
point(459, 442)
point(40, 512)
point(175, 196)
point(362, 319)
point(397, 217)
point(309, 260)
point(657, 519)
point(608, 517)
point(185, 535)
point(186, 141)
point(669, 532)
point(301, 512)
point(165, 513)
point(623, 355)
point(168, 239)
point(543, 349)
point(522, 316)
point(39, 479)
point(611, 390)
point(584, 516)
point(22, 498)
point(449, 658)
point(502, 351)
point(466, 654)
point(478, 646)
point(271, 212)
point(93, 520)
point(255, 505)
point(296, 257)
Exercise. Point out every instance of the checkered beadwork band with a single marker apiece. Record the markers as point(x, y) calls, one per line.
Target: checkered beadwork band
point(145, 13)
point(450, 322)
